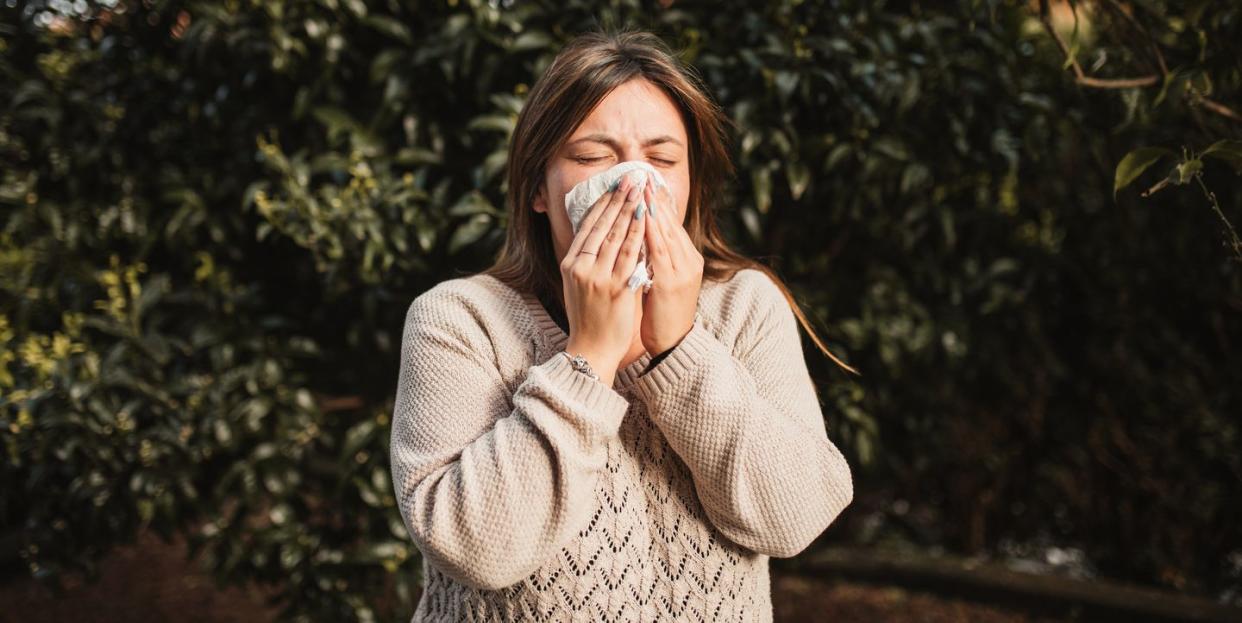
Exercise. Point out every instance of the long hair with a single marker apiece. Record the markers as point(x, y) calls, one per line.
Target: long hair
point(582, 74)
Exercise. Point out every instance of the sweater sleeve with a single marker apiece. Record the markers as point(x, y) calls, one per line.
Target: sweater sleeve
point(490, 482)
point(748, 425)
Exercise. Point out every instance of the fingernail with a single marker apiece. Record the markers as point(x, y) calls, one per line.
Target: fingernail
point(638, 213)
point(615, 183)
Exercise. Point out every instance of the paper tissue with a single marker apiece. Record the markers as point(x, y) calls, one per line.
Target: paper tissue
point(584, 194)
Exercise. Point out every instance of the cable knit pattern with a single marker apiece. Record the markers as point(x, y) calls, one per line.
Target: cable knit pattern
point(538, 494)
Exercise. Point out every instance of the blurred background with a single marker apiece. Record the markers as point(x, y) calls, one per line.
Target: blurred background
point(1016, 219)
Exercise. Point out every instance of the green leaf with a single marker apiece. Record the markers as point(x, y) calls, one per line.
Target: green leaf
point(357, 437)
point(838, 154)
point(531, 40)
point(799, 178)
point(786, 82)
point(1173, 80)
point(762, 179)
point(390, 27)
point(473, 202)
point(426, 238)
point(335, 118)
point(750, 139)
point(499, 123)
point(1134, 163)
point(1071, 55)
point(383, 63)
point(750, 220)
point(1228, 150)
point(469, 232)
point(1187, 170)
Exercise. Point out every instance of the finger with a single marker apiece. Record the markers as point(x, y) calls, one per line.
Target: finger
point(627, 256)
point(612, 242)
point(657, 247)
point(598, 211)
point(588, 222)
point(601, 227)
point(667, 216)
point(664, 200)
point(584, 227)
point(676, 238)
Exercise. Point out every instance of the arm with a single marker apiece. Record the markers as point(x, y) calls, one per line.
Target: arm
point(749, 427)
point(490, 484)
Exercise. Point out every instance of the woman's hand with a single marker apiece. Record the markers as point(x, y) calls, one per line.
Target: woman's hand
point(669, 307)
point(599, 305)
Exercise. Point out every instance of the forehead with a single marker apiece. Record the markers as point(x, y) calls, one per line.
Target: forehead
point(637, 111)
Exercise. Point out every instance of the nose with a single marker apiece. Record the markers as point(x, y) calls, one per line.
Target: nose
point(630, 150)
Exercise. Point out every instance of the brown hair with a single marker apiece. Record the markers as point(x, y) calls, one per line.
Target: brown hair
point(582, 74)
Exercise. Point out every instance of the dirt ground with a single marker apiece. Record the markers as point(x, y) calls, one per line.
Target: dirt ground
point(152, 581)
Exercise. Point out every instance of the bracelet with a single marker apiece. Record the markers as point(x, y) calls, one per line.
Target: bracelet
point(579, 363)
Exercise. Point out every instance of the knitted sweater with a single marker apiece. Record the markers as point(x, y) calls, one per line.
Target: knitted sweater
point(536, 493)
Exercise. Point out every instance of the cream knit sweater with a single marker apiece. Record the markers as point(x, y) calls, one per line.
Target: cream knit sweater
point(538, 494)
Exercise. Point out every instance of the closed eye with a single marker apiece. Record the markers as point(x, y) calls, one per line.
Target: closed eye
point(590, 160)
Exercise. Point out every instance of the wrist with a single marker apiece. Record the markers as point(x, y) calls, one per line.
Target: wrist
point(661, 355)
point(598, 363)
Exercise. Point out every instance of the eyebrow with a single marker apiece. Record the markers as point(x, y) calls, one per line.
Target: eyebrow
point(612, 142)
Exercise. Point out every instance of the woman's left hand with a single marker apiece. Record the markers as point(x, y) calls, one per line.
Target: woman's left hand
point(670, 305)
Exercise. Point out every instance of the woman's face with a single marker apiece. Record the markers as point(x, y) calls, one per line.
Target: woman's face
point(636, 121)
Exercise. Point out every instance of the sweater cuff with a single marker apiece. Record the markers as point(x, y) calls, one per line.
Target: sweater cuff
point(655, 361)
point(692, 351)
point(603, 406)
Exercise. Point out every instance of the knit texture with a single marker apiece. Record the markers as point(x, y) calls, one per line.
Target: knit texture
point(536, 493)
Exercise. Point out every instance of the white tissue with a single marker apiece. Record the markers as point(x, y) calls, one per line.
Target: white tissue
point(581, 197)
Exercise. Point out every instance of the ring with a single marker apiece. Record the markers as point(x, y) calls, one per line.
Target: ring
point(586, 253)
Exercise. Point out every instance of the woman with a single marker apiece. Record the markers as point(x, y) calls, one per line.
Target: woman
point(652, 478)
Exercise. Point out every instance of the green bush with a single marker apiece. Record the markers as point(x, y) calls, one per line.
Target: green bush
point(217, 213)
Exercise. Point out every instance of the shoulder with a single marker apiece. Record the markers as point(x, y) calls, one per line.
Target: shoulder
point(751, 285)
point(745, 304)
point(475, 311)
point(477, 296)
point(476, 317)
point(748, 293)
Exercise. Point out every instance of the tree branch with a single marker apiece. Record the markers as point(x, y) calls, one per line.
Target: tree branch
point(1079, 75)
point(1216, 106)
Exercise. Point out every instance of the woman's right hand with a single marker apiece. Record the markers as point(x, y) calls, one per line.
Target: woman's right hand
point(599, 304)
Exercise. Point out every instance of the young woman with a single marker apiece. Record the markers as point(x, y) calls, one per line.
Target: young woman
point(566, 449)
